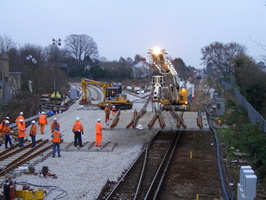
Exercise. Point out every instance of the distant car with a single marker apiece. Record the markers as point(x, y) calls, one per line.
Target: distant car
point(129, 88)
point(138, 92)
point(142, 91)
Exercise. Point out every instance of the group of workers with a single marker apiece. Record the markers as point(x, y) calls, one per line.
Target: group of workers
point(107, 111)
point(77, 129)
point(21, 129)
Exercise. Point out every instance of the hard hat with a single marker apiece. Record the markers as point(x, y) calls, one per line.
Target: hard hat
point(77, 119)
point(21, 120)
point(43, 112)
point(113, 106)
point(33, 122)
point(99, 120)
point(55, 119)
point(21, 113)
point(7, 117)
point(6, 122)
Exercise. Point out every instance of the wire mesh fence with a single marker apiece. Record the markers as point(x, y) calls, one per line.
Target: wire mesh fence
point(253, 115)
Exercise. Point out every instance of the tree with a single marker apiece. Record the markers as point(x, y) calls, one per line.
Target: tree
point(221, 56)
point(81, 47)
point(252, 81)
point(96, 72)
point(138, 58)
point(6, 43)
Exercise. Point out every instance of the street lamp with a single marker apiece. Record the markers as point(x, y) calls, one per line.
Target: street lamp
point(56, 43)
point(34, 61)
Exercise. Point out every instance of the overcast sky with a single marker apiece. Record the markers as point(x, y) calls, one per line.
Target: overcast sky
point(126, 28)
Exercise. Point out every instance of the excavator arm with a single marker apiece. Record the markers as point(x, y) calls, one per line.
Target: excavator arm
point(85, 82)
point(112, 95)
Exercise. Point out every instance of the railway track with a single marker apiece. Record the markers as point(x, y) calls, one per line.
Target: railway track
point(93, 93)
point(145, 177)
point(15, 156)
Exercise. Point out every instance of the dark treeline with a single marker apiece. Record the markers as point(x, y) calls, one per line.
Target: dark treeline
point(230, 61)
point(49, 68)
point(79, 57)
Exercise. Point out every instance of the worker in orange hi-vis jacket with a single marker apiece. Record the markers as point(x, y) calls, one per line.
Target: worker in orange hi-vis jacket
point(21, 132)
point(113, 110)
point(78, 130)
point(6, 131)
point(19, 118)
point(56, 139)
point(2, 125)
point(42, 121)
point(33, 132)
point(107, 111)
point(99, 132)
point(54, 125)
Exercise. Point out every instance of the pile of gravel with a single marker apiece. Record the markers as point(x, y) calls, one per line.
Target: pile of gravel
point(82, 175)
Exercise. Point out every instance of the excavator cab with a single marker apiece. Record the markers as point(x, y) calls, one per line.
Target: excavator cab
point(111, 93)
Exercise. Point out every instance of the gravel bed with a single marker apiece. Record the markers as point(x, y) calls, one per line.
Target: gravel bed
point(83, 174)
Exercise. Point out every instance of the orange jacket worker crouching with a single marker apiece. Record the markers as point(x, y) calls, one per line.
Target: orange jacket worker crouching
point(98, 129)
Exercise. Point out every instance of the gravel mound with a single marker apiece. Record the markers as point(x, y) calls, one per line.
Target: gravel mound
point(81, 175)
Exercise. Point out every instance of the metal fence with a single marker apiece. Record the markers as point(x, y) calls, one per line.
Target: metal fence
point(253, 115)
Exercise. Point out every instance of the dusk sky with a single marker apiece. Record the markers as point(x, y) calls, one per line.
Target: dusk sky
point(126, 28)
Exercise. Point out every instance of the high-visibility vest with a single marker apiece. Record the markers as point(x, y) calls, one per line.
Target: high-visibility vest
point(42, 119)
point(77, 127)
point(98, 127)
point(107, 110)
point(33, 130)
point(21, 130)
point(56, 136)
point(6, 129)
point(18, 118)
point(1, 128)
point(53, 125)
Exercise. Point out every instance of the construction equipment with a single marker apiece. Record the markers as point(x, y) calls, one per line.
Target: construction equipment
point(169, 89)
point(112, 95)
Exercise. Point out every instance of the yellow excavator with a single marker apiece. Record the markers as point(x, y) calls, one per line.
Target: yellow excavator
point(112, 95)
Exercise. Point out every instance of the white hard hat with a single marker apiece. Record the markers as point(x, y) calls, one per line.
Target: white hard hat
point(21, 120)
point(99, 120)
point(43, 112)
point(21, 113)
point(33, 122)
point(7, 117)
point(6, 122)
point(77, 119)
point(55, 119)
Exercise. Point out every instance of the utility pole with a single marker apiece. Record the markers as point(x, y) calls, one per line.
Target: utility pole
point(56, 43)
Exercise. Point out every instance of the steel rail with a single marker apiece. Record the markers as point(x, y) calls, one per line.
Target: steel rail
point(27, 153)
point(16, 151)
point(142, 174)
point(23, 161)
point(165, 168)
point(130, 168)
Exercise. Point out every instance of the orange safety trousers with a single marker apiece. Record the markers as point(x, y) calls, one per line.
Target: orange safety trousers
point(107, 117)
point(98, 129)
point(42, 128)
point(98, 138)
